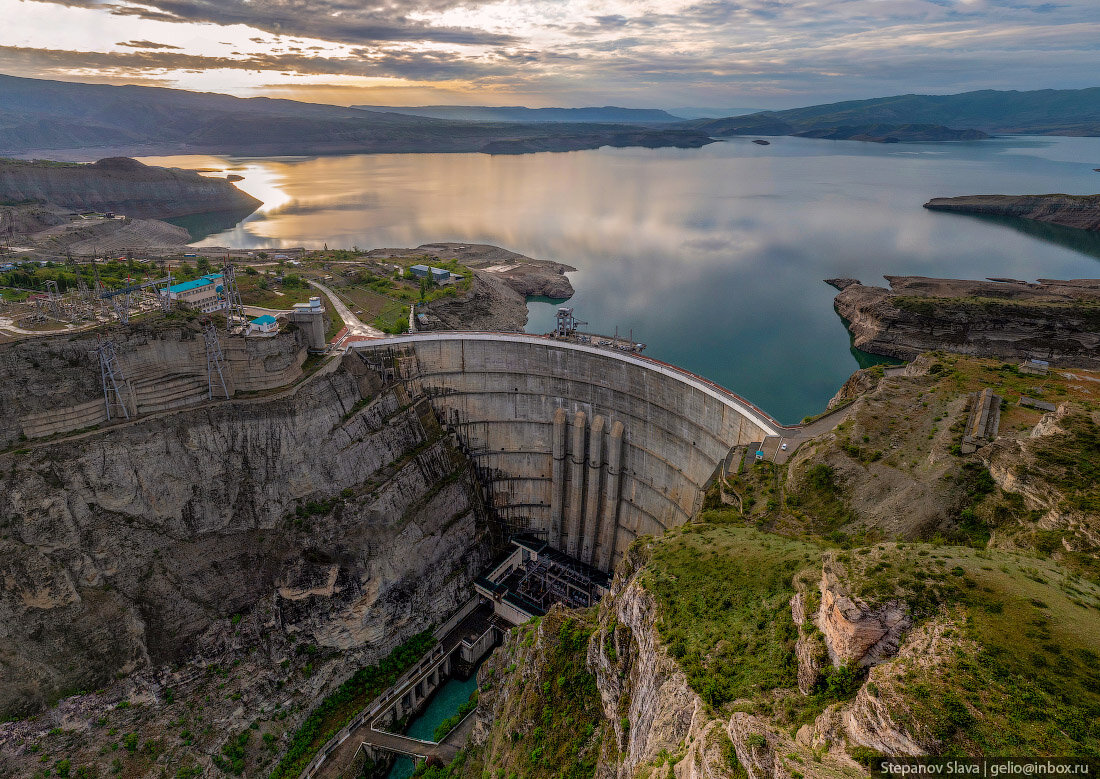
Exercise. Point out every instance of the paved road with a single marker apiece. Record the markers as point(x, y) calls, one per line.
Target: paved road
point(354, 324)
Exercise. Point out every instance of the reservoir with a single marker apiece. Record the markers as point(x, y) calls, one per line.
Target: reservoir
point(445, 703)
point(713, 257)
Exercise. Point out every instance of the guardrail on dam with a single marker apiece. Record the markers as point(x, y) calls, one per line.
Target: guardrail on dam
point(590, 447)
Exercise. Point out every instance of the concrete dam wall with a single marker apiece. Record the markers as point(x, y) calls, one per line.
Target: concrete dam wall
point(586, 447)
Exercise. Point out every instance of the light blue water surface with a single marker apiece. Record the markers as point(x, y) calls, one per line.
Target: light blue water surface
point(714, 257)
point(450, 696)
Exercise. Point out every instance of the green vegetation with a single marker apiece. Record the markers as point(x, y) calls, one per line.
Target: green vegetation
point(32, 276)
point(552, 724)
point(232, 758)
point(1070, 462)
point(1032, 686)
point(723, 594)
point(393, 318)
point(341, 706)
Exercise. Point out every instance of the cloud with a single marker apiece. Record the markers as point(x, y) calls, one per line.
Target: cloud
point(146, 45)
point(773, 53)
point(341, 21)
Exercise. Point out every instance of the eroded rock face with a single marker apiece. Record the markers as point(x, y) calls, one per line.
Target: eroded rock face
point(1002, 319)
point(855, 631)
point(874, 718)
point(643, 684)
point(350, 529)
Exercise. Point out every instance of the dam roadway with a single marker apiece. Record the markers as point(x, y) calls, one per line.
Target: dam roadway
point(587, 447)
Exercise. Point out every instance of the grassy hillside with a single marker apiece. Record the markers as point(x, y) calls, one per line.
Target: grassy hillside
point(1023, 681)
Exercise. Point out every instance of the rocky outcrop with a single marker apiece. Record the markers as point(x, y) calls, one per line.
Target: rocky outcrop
point(337, 514)
point(1022, 467)
point(1054, 320)
point(877, 717)
point(121, 185)
point(1078, 211)
point(855, 631)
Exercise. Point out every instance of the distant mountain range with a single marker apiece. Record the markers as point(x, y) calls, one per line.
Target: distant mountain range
point(1042, 112)
point(37, 116)
point(481, 113)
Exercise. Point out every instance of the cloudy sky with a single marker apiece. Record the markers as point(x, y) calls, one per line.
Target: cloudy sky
point(666, 53)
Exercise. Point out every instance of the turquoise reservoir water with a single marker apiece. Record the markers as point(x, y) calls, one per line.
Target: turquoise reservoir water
point(714, 256)
point(445, 703)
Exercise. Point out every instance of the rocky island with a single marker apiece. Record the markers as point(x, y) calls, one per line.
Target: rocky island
point(1009, 319)
point(1078, 211)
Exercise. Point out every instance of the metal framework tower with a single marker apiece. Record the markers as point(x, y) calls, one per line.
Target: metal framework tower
point(110, 373)
point(565, 323)
point(100, 287)
point(83, 294)
point(54, 302)
point(234, 308)
point(121, 304)
point(214, 362)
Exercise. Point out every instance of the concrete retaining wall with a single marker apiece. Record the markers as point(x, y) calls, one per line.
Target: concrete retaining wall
point(588, 447)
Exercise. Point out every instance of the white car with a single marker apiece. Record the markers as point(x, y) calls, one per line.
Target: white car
point(783, 447)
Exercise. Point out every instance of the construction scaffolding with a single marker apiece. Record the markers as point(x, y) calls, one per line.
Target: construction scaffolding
point(110, 374)
point(235, 319)
point(214, 361)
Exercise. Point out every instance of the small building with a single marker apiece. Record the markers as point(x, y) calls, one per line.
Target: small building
point(314, 304)
point(202, 294)
point(984, 421)
point(439, 275)
point(263, 325)
point(420, 271)
point(1035, 367)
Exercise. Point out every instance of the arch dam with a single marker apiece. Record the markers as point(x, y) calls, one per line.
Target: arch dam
point(586, 447)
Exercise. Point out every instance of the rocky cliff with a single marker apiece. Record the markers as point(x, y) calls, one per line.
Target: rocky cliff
point(1079, 211)
point(54, 383)
point(121, 185)
point(289, 539)
point(1054, 320)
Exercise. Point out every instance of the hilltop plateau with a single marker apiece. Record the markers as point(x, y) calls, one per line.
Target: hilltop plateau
point(1012, 320)
point(122, 185)
point(1081, 212)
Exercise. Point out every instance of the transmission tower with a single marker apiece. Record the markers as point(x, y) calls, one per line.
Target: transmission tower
point(110, 374)
point(234, 308)
point(214, 361)
point(53, 292)
point(121, 304)
point(100, 287)
point(83, 294)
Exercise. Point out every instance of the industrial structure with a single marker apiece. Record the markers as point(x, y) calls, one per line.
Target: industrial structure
point(584, 448)
point(534, 576)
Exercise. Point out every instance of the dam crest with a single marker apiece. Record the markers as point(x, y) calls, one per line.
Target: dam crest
point(585, 447)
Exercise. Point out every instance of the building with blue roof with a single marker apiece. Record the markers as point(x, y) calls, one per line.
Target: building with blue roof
point(263, 324)
point(201, 294)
